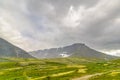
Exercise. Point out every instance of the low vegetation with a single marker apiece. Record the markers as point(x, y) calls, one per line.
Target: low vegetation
point(58, 69)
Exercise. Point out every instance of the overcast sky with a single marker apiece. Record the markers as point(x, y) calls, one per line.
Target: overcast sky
point(40, 24)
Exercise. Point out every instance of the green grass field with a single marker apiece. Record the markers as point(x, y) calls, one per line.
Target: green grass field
point(58, 69)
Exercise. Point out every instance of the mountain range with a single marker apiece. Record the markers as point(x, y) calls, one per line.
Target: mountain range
point(74, 50)
point(9, 50)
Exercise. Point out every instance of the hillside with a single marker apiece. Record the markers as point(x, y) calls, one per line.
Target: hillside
point(74, 50)
point(9, 50)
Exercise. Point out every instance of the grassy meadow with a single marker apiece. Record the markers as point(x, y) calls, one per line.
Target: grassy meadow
point(58, 69)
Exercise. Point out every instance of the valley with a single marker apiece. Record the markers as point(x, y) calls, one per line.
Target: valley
point(59, 40)
point(59, 69)
point(72, 62)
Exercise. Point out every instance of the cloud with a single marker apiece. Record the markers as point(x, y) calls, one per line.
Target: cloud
point(39, 24)
point(93, 26)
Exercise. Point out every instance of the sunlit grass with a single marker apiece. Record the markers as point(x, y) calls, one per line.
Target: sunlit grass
point(56, 69)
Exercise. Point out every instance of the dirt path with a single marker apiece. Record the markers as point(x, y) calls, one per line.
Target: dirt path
point(87, 77)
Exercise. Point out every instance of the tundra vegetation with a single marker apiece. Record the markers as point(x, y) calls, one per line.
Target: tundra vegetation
point(58, 69)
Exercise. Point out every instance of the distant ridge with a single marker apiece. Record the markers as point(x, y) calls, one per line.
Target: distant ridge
point(9, 50)
point(74, 50)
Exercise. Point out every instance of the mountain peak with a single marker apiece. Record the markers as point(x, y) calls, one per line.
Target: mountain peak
point(74, 50)
point(78, 44)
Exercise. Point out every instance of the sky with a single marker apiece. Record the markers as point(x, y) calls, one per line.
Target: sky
point(40, 24)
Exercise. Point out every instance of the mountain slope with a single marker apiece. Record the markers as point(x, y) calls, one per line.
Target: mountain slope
point(9, 50)
point(75, 50)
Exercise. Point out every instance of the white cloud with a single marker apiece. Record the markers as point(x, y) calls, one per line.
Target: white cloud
point(113, 52)
point(73, 17)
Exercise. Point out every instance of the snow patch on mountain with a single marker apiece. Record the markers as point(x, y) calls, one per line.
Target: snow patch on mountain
point(64, 54)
